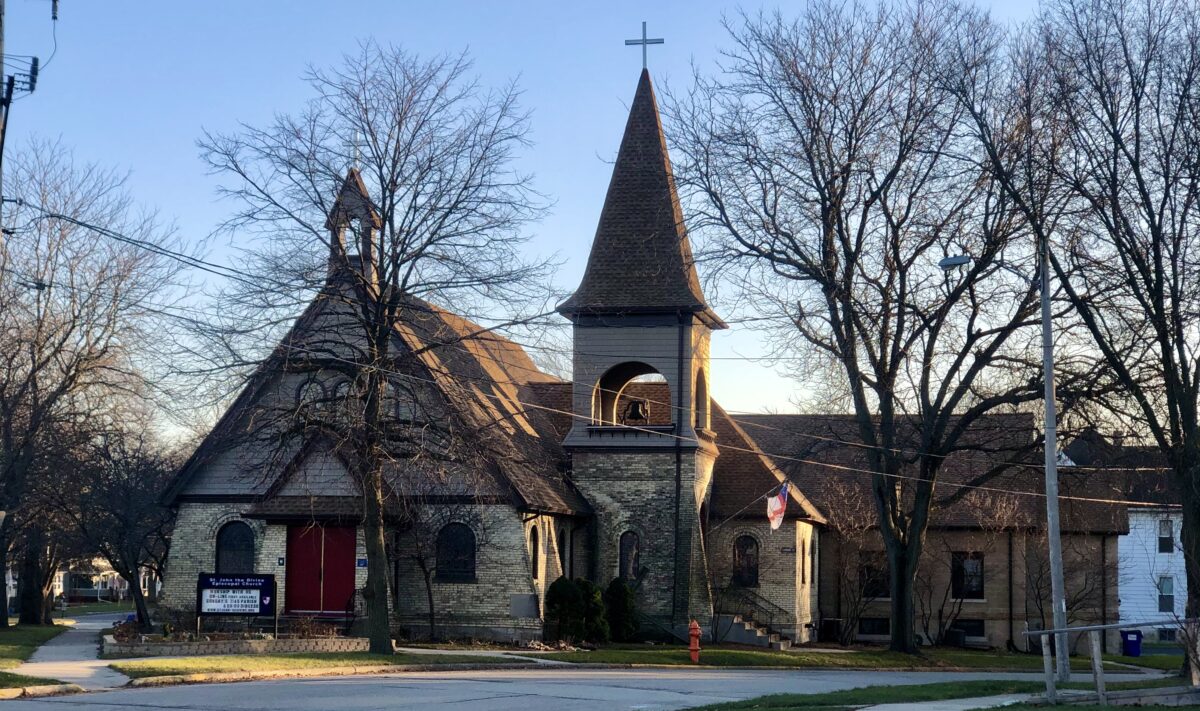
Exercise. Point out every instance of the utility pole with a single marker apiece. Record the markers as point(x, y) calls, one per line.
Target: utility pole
point(1053, 529)
point(1058, 599)
point(8, 85)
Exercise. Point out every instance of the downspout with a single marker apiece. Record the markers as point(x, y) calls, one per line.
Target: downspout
point(1012, 644)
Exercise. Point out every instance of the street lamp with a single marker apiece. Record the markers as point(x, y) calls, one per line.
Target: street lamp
point(1053, 528)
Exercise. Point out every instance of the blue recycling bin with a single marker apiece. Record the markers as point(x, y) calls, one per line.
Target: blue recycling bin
point(1131, 643)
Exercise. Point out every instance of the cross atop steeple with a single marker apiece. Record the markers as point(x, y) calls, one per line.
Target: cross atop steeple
point(644, 41)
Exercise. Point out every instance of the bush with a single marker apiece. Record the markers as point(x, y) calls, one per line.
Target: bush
point(595, 621)
point(621, 611)
point(564, 610)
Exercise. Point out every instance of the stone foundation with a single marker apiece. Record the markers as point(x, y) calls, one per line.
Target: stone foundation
point(113, 648)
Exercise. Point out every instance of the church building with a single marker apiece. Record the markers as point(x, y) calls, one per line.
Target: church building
point(629, 469)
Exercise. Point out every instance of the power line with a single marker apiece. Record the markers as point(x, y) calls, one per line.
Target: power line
point(255, 281)
point(324, 355)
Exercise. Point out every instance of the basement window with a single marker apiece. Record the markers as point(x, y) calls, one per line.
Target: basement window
point(874, 626)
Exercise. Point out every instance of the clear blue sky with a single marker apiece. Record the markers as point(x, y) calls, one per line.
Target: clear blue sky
point(133, 84)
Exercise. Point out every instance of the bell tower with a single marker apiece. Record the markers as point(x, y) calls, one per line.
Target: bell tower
point(641, 447)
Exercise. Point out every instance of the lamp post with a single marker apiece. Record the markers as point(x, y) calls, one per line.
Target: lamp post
point(1058, 599)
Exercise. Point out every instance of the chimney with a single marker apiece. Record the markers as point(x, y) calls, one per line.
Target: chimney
point(1118, 438)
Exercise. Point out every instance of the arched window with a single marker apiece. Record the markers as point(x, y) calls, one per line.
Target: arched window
point(311, 391)
point(456, 553)
point(745, 562)
point(534, 550)
point(402, 406)
point(235, 549)
point(630, 556)
point(803, 562)
point(564, 547)
point(812, 559)
point(702, 407)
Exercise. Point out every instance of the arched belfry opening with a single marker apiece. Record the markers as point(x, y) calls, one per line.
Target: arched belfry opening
point(702, 407)
point(614, 404)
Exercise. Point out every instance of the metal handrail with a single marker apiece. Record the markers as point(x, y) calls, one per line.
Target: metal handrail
point(757, 608)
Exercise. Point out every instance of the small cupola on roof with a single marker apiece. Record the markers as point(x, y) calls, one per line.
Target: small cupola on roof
point(352, 209)
point(641, 260)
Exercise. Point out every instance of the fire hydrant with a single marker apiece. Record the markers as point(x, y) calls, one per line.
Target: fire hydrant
point(694, 641)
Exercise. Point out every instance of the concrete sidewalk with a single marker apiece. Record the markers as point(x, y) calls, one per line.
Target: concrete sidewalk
point(72, 657)
point(531, 656)
point(982, 702)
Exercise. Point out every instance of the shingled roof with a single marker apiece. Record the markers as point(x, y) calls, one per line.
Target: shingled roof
point(486, 378)
point(825, 457)
point(1140, 472)
point(641, 260)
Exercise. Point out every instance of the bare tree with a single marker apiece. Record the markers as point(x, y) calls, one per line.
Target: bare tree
point(854, 525)
point(831, 176)
point(939, 601)
point(114, 504)
point(1089, 122)
point(434, 210)
point(73, 305)
point(443, 529)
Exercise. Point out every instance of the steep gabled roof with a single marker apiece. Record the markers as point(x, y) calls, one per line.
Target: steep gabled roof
point(484, 377)
point(641, 259)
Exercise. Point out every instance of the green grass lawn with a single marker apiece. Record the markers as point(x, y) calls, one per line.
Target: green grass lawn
point(274, 662)
point(1089, 707)
point(1165, 662)
point(88, 608)
point(16, 644)
point(916, 693)
point(730, 656)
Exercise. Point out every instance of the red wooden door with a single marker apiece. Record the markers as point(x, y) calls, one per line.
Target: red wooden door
point(303, 584)
point(338, 579)
point(320, 569)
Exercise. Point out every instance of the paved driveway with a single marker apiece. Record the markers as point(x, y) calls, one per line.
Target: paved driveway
point(515, 690)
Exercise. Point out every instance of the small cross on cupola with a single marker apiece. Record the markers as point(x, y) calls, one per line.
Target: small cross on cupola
point(644, 42)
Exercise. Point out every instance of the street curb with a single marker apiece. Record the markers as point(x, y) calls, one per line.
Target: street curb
point(223, 677)
point(361, 670)
point(30, 692)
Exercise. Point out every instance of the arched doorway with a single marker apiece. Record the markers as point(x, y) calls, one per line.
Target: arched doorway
point(745, 562)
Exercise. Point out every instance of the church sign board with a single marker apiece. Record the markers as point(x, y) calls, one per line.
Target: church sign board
point(247, 595)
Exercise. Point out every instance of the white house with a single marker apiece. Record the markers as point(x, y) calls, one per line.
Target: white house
point(1153, 581)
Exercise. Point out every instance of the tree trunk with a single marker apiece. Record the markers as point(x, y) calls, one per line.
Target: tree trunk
point(29, 590)
point(139, 599)
point(1188, 481)
point(428, 574)
point(4, 527)
point(376, 591)
point(901, 582)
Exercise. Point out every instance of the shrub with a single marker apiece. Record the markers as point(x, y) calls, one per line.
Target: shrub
point(621, 610)
point(564, 610)
point(595, 621)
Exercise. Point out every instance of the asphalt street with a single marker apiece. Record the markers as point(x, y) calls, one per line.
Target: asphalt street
point(499, 690)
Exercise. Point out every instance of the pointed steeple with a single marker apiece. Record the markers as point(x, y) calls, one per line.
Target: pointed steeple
point(641, 260)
